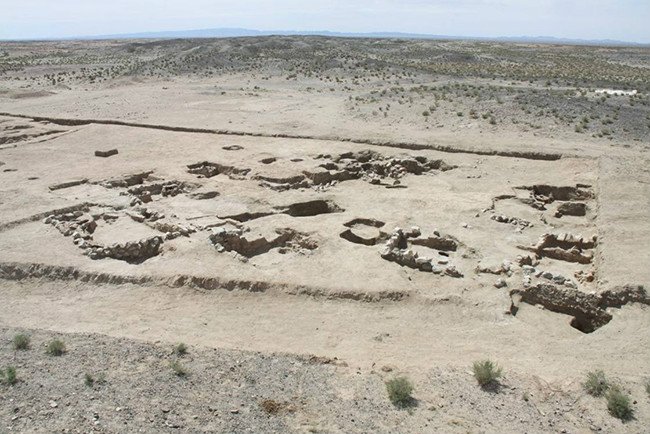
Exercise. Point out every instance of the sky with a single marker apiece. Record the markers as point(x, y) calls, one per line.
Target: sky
point(625, 20)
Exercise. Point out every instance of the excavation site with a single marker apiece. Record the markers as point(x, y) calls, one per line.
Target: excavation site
point(238, 235)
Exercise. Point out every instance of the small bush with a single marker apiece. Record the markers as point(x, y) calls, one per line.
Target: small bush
point(647, 387)
point(596, 383)
point(21, 342)
point(180, 349)
point(179, 369)
point(56, 348)
point(8, 375)
point(399, 391)
point(618, 404)
point(486, 372)
point(89, 380)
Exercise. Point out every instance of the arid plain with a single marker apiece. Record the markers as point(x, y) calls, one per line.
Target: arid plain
point(312, 217)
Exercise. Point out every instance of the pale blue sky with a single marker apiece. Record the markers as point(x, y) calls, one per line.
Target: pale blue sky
point(627, 20)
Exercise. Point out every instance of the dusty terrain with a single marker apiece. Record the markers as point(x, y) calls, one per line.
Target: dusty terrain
point(313, 216)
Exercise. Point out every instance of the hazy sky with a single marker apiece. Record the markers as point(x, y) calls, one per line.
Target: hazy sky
point(627, 20)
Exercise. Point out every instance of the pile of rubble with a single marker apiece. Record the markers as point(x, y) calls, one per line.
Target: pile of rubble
point(396, 250)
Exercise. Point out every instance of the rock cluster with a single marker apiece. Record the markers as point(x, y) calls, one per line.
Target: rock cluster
point(396, 250)
point(81, 225)
point(131, 251)
point(557, 278)
point(515, 221)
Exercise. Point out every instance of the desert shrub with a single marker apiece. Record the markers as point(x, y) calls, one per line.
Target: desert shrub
point(647, 387)
point(179, 369)
point(618, 404)
point(596, 383)
point(399, 391)
point(180, 349)
point(21, 342)
point(8, 375)
point(486, 372)
point(56, 348)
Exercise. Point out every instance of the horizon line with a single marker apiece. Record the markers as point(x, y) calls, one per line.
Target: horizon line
point(169, 34)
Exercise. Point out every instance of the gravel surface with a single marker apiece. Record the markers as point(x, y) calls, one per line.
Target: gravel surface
point(236, 391)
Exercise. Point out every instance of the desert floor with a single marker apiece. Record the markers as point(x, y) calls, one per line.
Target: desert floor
point(313, 217)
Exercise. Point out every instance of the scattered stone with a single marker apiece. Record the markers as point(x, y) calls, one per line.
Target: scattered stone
point(516, 221)
point(500, 283)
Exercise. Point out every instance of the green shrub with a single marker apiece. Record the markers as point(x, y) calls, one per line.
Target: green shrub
point(486, 372)
point(56, 348)
point(618, 404)
point(21, 342)
point(8, 375)
point(399, 391)
point(647, 387)
point(179, 369)
point(181, 349)
point(596, 383)
point(89, 380)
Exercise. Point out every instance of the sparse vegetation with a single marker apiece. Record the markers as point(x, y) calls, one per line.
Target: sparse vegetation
point(56, 348)
point(486, 372)
point(21, 342)
point(399, 391)
point(91, 381)
point(180, 349)
point(8, 375)
point(618, 404)
point(596, 383)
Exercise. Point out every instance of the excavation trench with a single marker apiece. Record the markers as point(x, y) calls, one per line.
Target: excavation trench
point(300, 209)
point(589, 311)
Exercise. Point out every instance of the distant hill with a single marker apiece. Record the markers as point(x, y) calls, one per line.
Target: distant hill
point(237, 32)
